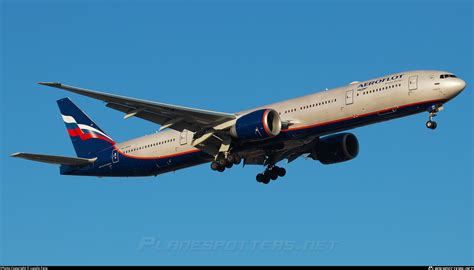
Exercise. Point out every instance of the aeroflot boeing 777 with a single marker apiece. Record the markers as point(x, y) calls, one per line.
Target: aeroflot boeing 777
point(266, 135)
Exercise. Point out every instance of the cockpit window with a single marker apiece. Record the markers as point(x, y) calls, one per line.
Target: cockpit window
point(443, 76)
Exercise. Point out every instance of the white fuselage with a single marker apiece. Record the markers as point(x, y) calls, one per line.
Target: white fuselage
point(383, 95)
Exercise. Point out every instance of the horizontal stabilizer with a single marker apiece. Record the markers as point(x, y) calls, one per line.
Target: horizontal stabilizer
point(69, 161)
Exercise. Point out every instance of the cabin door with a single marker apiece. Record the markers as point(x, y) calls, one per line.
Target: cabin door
point(349, 97)
point(413, 83)
point(115, 156)
point(183, 138)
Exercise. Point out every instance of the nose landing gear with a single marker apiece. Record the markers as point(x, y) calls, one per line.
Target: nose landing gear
point(433, 110)
point(271, 173)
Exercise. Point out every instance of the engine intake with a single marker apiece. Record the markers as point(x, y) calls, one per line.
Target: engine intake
point(257, 125)
point(336, 148)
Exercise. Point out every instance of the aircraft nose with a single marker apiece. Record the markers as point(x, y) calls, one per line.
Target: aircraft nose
point(456, 85)
point(462, 85)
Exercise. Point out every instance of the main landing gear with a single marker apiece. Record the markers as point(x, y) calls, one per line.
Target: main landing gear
point(223, 162)
point(433, 110)
point(271, 173)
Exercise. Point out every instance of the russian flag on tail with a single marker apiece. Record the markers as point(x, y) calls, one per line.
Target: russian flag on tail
point(86, 136)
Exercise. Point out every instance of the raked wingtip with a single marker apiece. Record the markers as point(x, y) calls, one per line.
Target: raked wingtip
point(53, 84)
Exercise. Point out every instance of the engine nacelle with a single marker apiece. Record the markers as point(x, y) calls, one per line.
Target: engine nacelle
point(257, 125)
point(336, 148)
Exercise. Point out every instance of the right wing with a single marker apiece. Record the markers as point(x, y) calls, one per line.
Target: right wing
point(69, 161)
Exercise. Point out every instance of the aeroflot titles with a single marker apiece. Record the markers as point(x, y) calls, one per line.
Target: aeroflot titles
point(362, 86)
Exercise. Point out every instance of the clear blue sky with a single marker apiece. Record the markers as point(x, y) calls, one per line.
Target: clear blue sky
point(407, 198)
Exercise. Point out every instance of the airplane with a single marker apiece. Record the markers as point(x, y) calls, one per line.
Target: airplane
point(310, 126)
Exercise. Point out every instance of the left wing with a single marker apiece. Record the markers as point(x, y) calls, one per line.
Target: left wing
point(166, 115)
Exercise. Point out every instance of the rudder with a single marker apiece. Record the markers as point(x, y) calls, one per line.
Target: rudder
point(86, 136)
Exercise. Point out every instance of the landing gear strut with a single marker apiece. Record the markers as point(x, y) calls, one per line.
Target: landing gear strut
point(223, 162)
point(271, 173)
point(433, 112)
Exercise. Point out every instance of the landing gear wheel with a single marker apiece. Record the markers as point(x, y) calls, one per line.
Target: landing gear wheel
point(222, 161)
point(263, 178)
point(230, 158)
point(281, 172)
point(229, 165)
point(215, 166)
point(431, 124)
point(221, 169)
point(266, 179)
point(273, 174)
point(237, 159)
point(260, 177)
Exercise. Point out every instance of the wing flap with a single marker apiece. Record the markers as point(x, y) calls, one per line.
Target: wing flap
point(61, 160)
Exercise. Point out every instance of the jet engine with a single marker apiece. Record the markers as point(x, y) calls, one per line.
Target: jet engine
point(336, 148)
point(257, 125)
